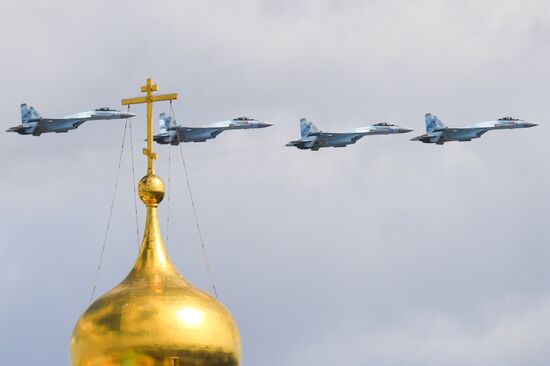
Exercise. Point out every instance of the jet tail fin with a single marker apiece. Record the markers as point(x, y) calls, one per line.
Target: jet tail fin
point(28, 113)
point(307, 128)
point(166, 122)
point(432, 123)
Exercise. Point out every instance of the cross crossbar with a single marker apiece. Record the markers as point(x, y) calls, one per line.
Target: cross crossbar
point(149, 88)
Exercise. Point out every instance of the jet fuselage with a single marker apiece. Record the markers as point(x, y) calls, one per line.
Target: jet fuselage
point(174, 134)
point(438, 133)
point(34, 124)
point(314, 139)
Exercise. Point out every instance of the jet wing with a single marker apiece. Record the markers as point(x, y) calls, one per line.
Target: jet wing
point(455, 130)
point(332, 134)
point(78, 122)
point(193, 133)
point(216, 130)
point(56, 125)
point(340, 139)
point(50, 120)
point(450, 130)
point(47, 121)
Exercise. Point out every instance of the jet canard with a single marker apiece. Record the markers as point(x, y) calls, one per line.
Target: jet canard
point(172, 133)
point(438, 133)
point(32, 123)
point(314, 139)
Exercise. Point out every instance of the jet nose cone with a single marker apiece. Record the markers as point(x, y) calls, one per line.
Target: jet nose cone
point(128, 115)
point(266, 124)
point(530, 124)
point(405, 130)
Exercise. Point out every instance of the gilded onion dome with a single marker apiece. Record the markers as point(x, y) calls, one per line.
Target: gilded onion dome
point(155, 317)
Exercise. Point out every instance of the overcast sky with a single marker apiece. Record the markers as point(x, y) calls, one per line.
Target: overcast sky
point(387, 252)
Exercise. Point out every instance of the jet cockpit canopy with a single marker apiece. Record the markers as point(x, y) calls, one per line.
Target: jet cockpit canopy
point(383, 124)
point(105, 109)
point(243, 119)
point(508, 119)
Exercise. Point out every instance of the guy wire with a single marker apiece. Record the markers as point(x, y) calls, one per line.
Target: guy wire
point(204, 251)
point(110, 215)
point(134, 182)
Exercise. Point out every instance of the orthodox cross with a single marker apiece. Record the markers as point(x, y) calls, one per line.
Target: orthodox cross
point(149, 88)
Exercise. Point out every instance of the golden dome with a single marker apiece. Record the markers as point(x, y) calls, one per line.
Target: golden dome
point(155, 317)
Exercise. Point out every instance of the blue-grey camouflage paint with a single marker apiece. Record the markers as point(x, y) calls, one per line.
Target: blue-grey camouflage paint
point(438, 133)
point(172, 133)
point(314, 139)
point(32, 123)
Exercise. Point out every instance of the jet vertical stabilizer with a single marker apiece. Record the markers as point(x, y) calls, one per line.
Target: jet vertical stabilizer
point(166, 122)
point(432, 123)
point(29, 114)
point(307, 128)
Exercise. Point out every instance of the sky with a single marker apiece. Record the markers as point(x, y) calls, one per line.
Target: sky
point(388, 252)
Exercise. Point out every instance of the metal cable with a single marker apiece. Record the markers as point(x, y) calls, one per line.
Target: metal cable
point(134, 182)
point(169, 185)
point(204, 251)
point(110, 215)
point(168, 199)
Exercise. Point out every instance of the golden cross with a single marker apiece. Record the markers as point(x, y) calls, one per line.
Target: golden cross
point(149, 88)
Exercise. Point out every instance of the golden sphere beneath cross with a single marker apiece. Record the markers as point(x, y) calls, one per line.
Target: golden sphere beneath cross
point(151, 190)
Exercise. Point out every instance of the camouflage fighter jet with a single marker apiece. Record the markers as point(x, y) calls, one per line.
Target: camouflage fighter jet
point(172, 133)
point(32, 123)
point(314, 139)
point(438, 133)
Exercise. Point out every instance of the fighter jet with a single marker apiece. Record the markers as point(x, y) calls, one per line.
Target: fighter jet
point(32, 123)
point(172, 133)
point(438, 133)
point(314, 139)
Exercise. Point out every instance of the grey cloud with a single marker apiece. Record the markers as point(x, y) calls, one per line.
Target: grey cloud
point(387, 252)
